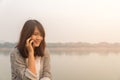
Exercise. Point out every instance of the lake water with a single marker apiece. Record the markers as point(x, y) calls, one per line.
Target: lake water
point(75, 66)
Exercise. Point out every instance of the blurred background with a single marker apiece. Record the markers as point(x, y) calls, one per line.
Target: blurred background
point(83, 36)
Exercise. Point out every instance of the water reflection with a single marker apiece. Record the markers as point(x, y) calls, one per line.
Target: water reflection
point(75, 65)
point(4, 66)
point(5, 53)
point(80, 53)
point(86, 66)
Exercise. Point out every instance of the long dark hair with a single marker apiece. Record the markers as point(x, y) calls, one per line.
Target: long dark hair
point(26, 32)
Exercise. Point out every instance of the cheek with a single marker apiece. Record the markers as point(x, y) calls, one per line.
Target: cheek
point(41, 38)
point(33, 37)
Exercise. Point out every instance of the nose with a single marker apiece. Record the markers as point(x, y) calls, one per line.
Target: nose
point(39, 37)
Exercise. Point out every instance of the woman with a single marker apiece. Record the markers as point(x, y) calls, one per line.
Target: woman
point(30, 59)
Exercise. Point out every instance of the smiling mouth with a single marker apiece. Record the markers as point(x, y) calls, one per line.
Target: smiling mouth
point(37, 42)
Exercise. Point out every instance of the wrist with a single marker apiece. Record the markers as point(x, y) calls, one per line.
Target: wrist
point(31, 53)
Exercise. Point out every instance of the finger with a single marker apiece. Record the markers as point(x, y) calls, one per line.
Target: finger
point(27, 41)
point(31, 41)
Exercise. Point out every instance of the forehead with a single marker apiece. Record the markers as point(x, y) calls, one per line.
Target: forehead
point(36, 29)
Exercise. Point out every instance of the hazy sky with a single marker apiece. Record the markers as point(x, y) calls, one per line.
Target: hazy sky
point(64, 20)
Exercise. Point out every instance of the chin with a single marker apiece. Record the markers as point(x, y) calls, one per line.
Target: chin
point(36, 45)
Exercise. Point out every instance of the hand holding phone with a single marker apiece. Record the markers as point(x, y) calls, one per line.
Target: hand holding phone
point(29, 45)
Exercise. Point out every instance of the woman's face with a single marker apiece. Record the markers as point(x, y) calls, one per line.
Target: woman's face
point(36, 37)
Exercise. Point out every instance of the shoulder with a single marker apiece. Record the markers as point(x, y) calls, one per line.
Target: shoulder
point(16, 57)
point(15, 53)
point(46, 52)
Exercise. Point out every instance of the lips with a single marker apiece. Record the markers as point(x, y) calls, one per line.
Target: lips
point(37, 42)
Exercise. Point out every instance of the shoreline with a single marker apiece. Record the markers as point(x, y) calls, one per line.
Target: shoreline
point(77, 49)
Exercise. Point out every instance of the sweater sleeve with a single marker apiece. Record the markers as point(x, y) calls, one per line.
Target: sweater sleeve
point(46, 67)
point(45, 78)
point(19, 69)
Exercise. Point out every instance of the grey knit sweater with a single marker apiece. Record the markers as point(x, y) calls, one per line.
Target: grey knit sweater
point(19, 70)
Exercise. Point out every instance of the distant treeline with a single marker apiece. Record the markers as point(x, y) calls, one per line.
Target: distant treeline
point(83, 44)
point(78, 47)
point(102, 47)
point(7, 45)
point(68, 45)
